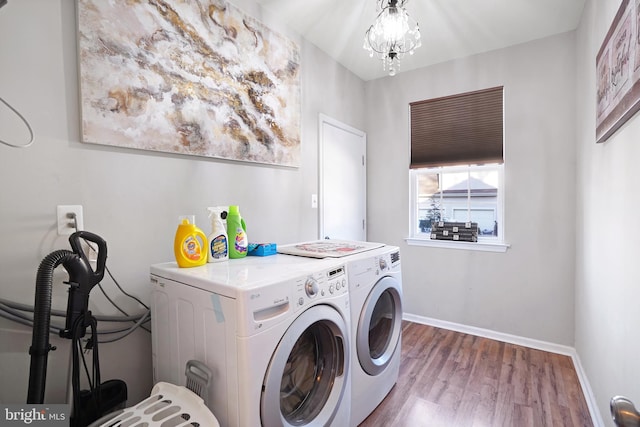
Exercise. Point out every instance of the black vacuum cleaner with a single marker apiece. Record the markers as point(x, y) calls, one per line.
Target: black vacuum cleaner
point(100, 398)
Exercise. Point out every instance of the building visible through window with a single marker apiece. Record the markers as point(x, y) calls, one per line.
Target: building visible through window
point(462, 194)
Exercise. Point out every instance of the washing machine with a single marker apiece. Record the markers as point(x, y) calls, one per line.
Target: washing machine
point(273, 330)
point(375, 290)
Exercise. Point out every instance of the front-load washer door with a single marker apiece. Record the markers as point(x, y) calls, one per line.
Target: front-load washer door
point(379, 326)
point(306, 378)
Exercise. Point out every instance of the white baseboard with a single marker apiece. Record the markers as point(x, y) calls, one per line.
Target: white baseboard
point(525, 342)
point(592, 403)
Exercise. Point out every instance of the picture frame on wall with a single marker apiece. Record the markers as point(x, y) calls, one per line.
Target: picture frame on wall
point(195, 78)
point(618, 72)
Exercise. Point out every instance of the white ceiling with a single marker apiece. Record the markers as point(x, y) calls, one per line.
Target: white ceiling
point(450, 28)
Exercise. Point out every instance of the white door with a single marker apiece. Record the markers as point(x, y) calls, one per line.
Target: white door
point(343, 181)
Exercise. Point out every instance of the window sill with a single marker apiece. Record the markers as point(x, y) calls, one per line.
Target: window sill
point(470, 246)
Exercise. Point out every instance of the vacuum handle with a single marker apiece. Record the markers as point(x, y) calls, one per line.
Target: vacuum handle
point(82, 279)
point(76, 245)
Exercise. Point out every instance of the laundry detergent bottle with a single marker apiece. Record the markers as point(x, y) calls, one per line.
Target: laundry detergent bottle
point(190, 244)
point(218, 242)
point(237, 233)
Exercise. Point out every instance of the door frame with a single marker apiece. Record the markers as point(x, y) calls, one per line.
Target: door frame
point(322, 120)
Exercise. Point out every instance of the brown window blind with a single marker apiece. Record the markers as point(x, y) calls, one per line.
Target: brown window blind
point(458, 129)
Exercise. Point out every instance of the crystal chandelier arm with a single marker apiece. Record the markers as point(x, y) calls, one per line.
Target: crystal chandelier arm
point(393, 34)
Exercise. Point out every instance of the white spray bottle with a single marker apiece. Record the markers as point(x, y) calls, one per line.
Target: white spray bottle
point(218, 241)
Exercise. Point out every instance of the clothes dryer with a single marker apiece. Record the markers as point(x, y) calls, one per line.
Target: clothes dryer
point(375, 290)
point(273, 330)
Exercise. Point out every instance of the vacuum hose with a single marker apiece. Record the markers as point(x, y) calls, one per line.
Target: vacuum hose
point(40, 345)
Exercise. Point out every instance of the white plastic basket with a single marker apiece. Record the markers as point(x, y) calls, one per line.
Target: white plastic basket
point(168, 406)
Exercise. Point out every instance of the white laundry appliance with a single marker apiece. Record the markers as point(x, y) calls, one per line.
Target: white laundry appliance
point(375, 291)
point(273, 330)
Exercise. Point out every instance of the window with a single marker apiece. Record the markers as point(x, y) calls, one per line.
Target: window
point(460, 194)
point(457, 164)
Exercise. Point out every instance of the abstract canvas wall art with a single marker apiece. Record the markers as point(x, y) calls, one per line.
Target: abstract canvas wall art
point(194, 77)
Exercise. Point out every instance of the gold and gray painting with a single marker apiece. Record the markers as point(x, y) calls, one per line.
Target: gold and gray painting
point(192, 77)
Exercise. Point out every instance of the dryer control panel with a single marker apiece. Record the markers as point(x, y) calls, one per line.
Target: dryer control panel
point(320, 285)
point(363, 271)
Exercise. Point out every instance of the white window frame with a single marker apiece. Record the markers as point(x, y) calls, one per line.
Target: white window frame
point(493, 244)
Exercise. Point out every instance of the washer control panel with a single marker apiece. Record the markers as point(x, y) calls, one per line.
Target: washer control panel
point(319, 285)
point(311, 287)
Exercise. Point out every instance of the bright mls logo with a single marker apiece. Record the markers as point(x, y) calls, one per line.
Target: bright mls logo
point(37, 415)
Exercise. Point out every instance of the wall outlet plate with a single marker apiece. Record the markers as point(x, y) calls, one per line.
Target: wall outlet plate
point(66, 223)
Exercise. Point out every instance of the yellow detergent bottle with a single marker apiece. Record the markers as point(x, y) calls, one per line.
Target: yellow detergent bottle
point(190, 244)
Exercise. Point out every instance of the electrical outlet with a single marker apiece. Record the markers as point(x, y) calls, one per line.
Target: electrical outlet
point(67, 224)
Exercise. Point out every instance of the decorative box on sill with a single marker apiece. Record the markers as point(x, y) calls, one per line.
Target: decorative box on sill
point(456, 231)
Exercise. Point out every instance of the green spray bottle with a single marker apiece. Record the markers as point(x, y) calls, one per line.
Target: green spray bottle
point(237, 233)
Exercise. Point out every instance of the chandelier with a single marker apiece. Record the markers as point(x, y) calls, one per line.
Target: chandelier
point(393, 34)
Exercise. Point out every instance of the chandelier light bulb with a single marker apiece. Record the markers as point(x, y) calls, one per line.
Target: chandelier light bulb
point(391, 36)
point(394, 24)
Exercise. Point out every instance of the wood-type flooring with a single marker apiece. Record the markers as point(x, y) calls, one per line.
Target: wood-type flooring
point(452, 379)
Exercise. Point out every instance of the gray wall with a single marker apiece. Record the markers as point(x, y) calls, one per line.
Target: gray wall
point(607, 274)
point(527, 291)
point(130, 198)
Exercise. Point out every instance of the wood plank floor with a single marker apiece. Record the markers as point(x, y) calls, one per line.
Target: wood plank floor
point(454, 379)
